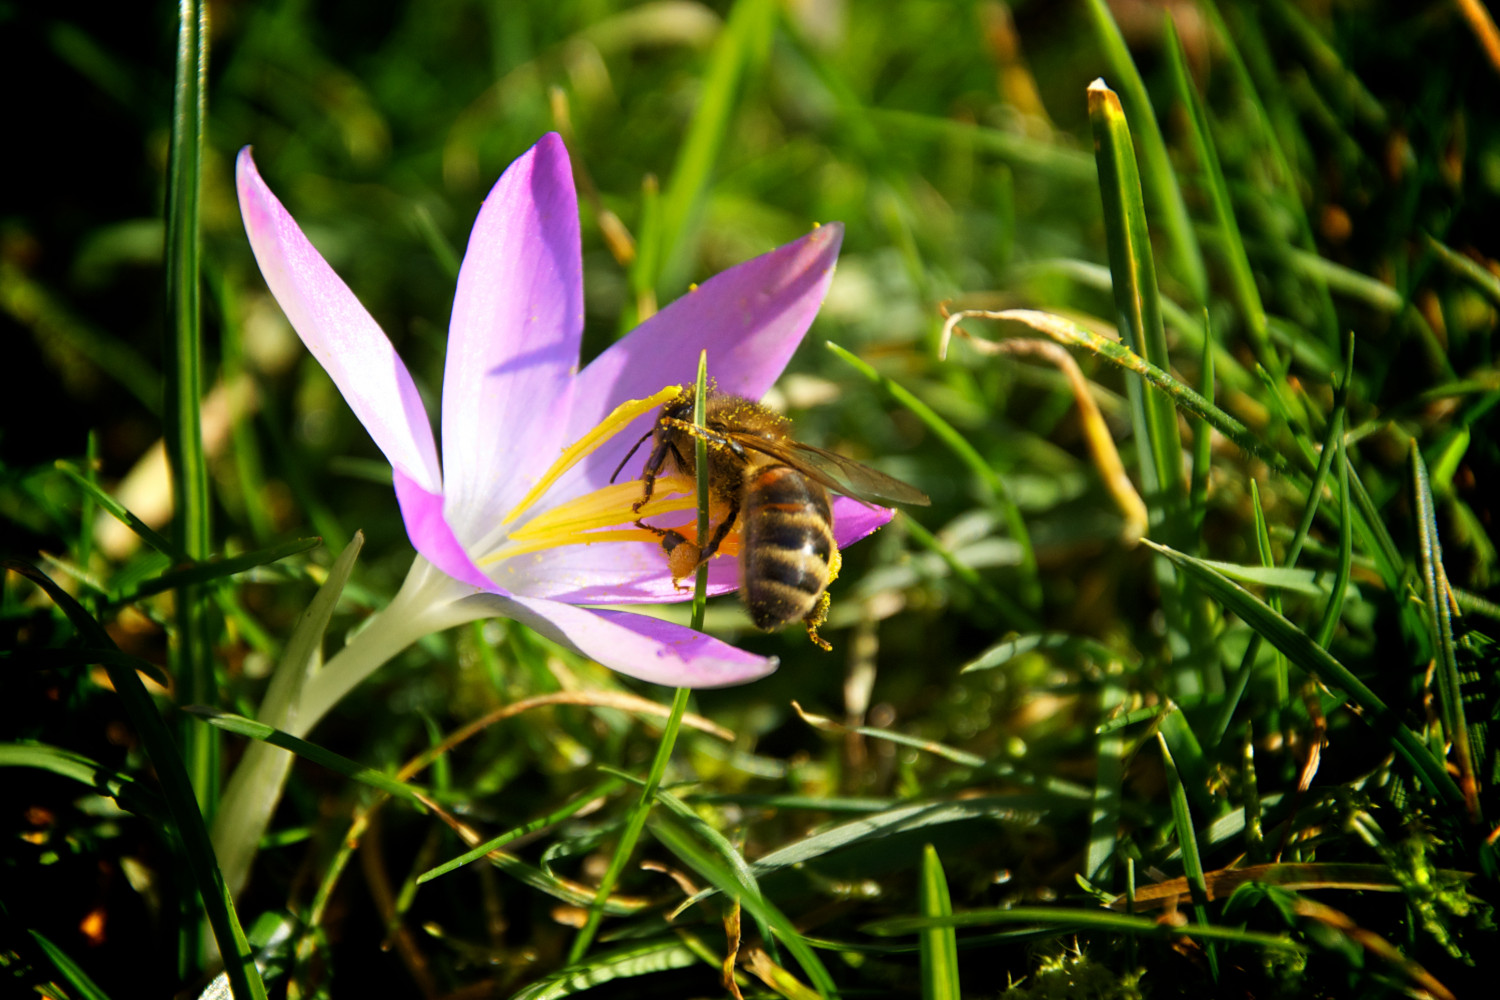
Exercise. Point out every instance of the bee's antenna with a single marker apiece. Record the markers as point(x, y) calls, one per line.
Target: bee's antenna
point(633, 449)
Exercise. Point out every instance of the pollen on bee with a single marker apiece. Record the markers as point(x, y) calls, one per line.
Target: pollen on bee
point(682, 560)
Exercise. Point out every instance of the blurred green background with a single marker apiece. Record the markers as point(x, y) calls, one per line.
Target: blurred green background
point(952, 140)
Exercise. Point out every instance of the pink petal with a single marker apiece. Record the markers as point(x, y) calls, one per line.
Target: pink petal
point(422, 512)
point(853, 520)
point(513, 340)
point(642, 647)
point(338, 331)
point(750, 318)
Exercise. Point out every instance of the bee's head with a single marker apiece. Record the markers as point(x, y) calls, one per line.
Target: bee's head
point(681, 407)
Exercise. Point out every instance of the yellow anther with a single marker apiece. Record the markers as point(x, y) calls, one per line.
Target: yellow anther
point(584, 446)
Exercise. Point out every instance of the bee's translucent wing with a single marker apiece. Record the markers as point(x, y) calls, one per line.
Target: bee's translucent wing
point(840, 474)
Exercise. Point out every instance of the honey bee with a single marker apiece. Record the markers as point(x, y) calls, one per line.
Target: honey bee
point(777, 488)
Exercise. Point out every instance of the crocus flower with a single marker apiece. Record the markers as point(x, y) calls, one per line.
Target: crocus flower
point(516, 521)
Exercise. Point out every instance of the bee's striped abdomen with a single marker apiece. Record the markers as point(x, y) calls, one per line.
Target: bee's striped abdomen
point(787, 528)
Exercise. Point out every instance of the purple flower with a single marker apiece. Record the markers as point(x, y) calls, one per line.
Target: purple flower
point(503, 527)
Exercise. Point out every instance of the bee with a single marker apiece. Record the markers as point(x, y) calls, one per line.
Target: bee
point(777, 488)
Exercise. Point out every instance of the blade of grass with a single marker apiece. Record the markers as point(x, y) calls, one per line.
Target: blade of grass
point(939, 955)
point(1230, 42)
point(93, 492)
point(1457, 264)
point(85, 546)
point(632, 959)
point(966, 453)
point(210, 570)
point(251, 729)
point(741, 46)
point(1243, 677)
point(1057, 161)
point(1440, 628)
point(670, 831)
point(1009, 610)
point(1068, 333)
point(1109, 775)
point(579, 802)
point(642, 809)
point(188, 828)
point(1202, 440)
point(1071, 920)
point(1137, 299)
point(1159, 176)
point(1340, 82)
point(71, 972)
point(1241, 277)
point(1187, 840)
point(1335, 607)
point(192, 645)
point(1187, 756)
point(132, 795)
point(1303, 651)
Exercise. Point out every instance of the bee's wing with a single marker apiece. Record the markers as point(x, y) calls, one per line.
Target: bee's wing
point(840, 474)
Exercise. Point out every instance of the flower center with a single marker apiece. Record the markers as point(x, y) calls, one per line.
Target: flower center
point(604, 515)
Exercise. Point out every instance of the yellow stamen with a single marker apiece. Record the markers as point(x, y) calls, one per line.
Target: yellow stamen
point(582, 520)
point(584, 446)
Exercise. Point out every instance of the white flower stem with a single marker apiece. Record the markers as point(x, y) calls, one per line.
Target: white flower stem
point(426, 603)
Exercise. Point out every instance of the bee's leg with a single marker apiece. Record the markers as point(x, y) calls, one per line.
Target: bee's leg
point(648, 478)
point(722, 531)
point(815, 620)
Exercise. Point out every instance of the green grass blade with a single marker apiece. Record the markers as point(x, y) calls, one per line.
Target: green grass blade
point(1010, 611)
point(70, 970)
point(1246, 672)
point(1440, 628)
point(93, 492)
point(1159, 176)
point(251, 729)
point(1202, 440)
point(177, 790)
point(192, 646)
point(1187, 756)
point(1137, 299)
point(1241, 277)
point(82, 656)
point(741, 45)
point(1457, 264)
point(1335, 608)
point(1181, 395)
point(635, 958)
point(633, 827)
point(1346, 90)
point(700, 456)
point(1187, 840)
point(1067, 920)
point(210, 570)
point(670, 831)
point(1307, 654)
point(966, 453)
point(131, 795)
point(1109, 776)
point(939, 944)
point(578, 803)
point(1286, 175)
point(1057, 161)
